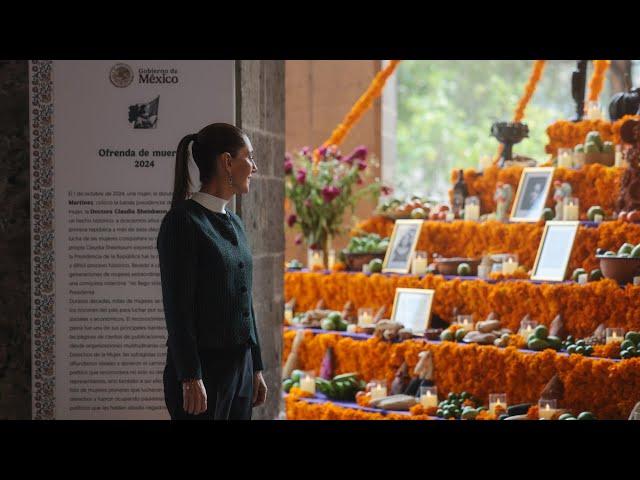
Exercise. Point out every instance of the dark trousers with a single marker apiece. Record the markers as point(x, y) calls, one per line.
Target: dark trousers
point(227, 375)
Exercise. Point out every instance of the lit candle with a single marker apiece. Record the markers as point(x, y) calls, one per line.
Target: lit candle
point(419, 263)
point(570, 211)
point(378, 391)
point(472, 212)
point(546, 409)
point(497, 400)
point(351, 328)
point(582, 278)
point(565, 157)
point(466, 322)
point(428, 397)
point(619, 159)
point(509, 267)
point(365, 316)
point(614, 335)
point(331, 259)
point(526, 328)
point(308, 384)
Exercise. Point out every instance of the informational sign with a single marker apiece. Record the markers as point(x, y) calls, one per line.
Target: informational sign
point(103, 142)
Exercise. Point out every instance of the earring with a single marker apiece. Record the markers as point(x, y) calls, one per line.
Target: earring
point(230, 180)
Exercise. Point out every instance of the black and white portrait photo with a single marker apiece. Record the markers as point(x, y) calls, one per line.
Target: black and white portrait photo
point(144, 115)
point(532, 193)
point(403, 242)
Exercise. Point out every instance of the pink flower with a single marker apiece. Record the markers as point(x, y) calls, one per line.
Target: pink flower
point(305, 151)
point(362, 165)
point(329, 193)
point(288, 164)
point(322, 151)
point(292, 219)
point(301, 176)
point(298, 239)
point(359, 153)
point(386, 190)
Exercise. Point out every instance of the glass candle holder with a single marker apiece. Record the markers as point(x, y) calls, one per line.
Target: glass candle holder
point(288, 314)
point(510, 264)
point(472, 209)
point(592, 110)
point(466, 322)
point(570, 208)
point(308, 383)
point(526, 328)
point(331, 259)
point(565, 157)
point(378, 389)
point(497, 401)
point(428, 397)
point(449, 217)
point(315, 258)
point(583, 278)
point(619, 159)
point(419, 263)
point(614, 335)
point(484, 271)
point(365, 316)
point(546, 408)
point(366, 269)
point(636, 281)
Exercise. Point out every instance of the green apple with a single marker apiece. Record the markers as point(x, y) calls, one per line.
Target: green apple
point(625, 248)
point(635, 253)
point(591, 147)
point(608, 147)
point(464, 269)
point(579, 148)
point(593, 211)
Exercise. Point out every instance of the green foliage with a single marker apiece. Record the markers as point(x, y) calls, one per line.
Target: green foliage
point(446, 108)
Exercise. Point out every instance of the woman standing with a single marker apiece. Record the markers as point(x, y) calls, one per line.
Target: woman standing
point(214, 366)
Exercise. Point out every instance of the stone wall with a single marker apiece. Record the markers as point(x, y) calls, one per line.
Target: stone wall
point(15, 288)
point(260, 113)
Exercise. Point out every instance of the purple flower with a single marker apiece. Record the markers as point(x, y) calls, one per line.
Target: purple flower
point(301, 176)
point(329, 193)
point(322, 151)
point(362, 165)
point(298, 240)
point(288, 164)
point(305, 151)
point(359, 153)
point(292, 219)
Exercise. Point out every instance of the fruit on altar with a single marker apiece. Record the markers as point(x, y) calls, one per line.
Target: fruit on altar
point(635, 253)
point(387, 330)
point(297, 375)
point(593, 211)
point(591, 147)
point(327, 366)
point(464, 269)
point(579, 148)
point(447, 336)
point(460, 334)
point(633, 336)
point(455, 404)
point(328, 324)
point(630, 347)
point(418, 213)
point(593, 137)
point(375, 265)
point(341, 387)
point(625, 248)
point(586, 416)
point(287, 383)
point(548, 214)
point(295, 264)
point(609, 253)
point(369, 243)
point(488, 326)
point(608, 147)
point(541, 332)
point(595, 275)
point(576, 273)
point(622, 216)
point(503, 341)
point(480, 338)
point(633, 216)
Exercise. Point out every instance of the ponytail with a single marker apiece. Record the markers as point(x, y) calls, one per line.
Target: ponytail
point(182, 181)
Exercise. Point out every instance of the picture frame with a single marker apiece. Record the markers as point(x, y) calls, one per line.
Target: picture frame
point(554, 251)
point(402, 245)
point(412, 308)
point(531, 195)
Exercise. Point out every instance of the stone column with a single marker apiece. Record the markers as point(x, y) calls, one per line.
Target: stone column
point(260, 113)
point(15, 287)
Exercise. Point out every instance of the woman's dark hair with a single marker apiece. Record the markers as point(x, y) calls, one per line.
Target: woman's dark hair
point(207, 144)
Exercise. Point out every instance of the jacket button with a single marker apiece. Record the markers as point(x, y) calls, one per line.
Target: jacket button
point(243, 289)
point(241, 265)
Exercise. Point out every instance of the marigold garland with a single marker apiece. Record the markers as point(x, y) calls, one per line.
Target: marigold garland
point(530, 87)
point(583, 307)
point(606, 388)
point(594, 184)
point(600, 67)
point(473, 239)
point(567, 134)
point(360, 107)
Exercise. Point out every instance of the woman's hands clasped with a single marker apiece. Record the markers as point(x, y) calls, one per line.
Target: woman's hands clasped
point(194, 396)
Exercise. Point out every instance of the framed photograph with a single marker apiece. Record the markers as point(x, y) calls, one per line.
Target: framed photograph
point(402, 244)
point(554, 251)
point(412, 308)
point(531, 195)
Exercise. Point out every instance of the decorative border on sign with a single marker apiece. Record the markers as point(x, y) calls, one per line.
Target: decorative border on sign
point(42, 240)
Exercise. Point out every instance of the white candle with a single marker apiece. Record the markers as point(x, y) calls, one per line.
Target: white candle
point(379, 391)
point(565, 160)
point(492, 406)
point(509, 267)
point(429, 400)
point(308, 384)
point(351, 328)
point(365, 319)
point(546, 413)
point(472, 212)
point(331, 259)
point(570, 211)
point(419, 266)
point(636, 281)
point(582, 278)
point(449, 217)
point(288, 314)
point(614, 335)
point(525, 332)
point(619, 161)
point(467, 324)
point(598, 218)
